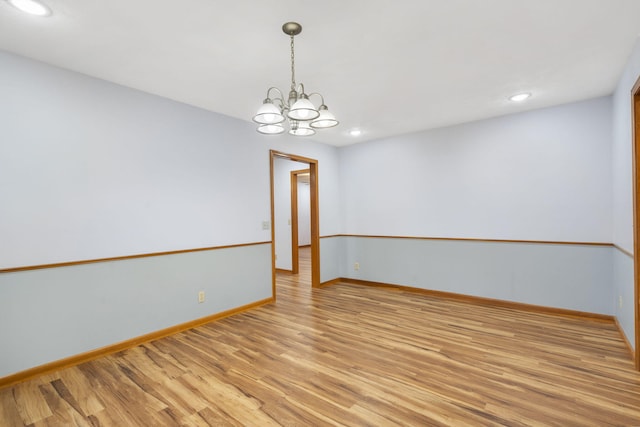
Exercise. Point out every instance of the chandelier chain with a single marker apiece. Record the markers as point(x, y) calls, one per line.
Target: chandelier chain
point(293, 68)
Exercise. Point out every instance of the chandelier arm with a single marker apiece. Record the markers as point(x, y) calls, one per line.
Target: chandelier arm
point(283, 106)
point(316, 93)
point(276, 89)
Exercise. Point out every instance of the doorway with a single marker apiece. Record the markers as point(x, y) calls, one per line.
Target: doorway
point(314, 215)
point(300, 215)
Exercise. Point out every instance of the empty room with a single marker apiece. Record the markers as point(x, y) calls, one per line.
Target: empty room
point(319, 213)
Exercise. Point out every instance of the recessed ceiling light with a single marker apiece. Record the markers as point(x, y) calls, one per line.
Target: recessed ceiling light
point(519, 97)
point(355, 132)
point(31, 7)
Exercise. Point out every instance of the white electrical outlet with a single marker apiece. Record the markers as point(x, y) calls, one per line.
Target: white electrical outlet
point(201, 297)
point(266, 225)
point(356, 266)
point(620, 301)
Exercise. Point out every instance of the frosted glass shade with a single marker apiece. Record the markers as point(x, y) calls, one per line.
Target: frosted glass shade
point(273, 129)
point(326, 119)
point(301, 129)
point(303, 110)
point(268, 114)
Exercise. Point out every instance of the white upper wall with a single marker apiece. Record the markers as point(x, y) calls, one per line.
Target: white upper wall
point(623, 154)
point(90, 169)
point(539, 175)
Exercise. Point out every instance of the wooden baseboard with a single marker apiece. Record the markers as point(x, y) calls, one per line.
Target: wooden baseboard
point(283, 271)
point(624, 338)
point(133, 342)
point(330, 282)
point(488, 301)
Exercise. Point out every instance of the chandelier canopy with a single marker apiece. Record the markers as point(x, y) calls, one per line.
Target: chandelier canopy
point(300, 113)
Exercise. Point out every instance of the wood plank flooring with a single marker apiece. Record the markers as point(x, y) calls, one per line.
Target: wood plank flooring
point(350, 355)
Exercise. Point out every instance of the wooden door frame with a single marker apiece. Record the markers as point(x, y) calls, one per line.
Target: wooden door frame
point(315, 216)
point(635, 119)
point(295, 258)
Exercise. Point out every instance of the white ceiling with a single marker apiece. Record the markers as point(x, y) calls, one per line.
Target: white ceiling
point(386, 67)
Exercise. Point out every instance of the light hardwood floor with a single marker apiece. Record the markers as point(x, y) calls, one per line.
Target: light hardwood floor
point(350, 355)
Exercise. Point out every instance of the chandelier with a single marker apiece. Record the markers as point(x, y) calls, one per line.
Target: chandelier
point(300, 113)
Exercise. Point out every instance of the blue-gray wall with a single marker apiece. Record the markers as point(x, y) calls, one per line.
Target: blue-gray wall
point(623, 292)
point(569, 276)
point(332, 252)
point(50, 314)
